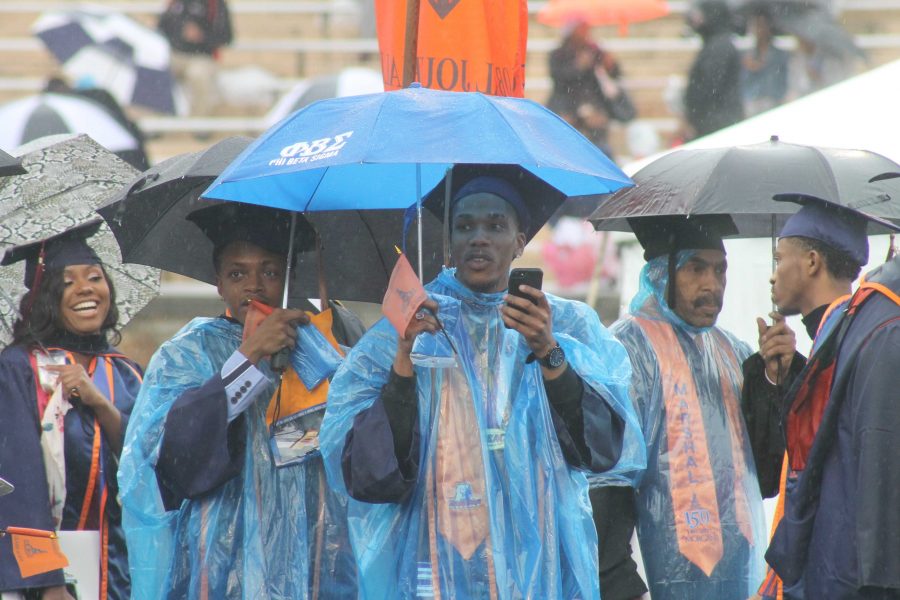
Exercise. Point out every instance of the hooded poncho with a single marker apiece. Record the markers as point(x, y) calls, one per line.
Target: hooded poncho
point(713, 360)
point(264, 533)
point(519, 525)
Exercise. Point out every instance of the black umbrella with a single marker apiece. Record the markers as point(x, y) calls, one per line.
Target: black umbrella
point(10, 165)
point(149, 221)
point(821, 29)
point(740, 181)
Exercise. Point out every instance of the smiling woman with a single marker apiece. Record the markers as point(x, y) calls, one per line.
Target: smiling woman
point(66, 395)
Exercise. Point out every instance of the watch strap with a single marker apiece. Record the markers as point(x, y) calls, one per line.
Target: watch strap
point(543, 361)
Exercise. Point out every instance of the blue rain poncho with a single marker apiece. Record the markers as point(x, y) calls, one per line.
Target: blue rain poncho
point(257, 535)
point(670, 575)
point(541, 541)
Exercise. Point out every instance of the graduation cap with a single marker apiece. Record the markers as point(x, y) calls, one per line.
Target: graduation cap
point(839, 226)
point(55, 252)
point(668, 234)
point(267, 228)
point(533, 199)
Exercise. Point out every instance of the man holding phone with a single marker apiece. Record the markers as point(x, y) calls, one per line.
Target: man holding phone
point(471, 478)
point(698, 507)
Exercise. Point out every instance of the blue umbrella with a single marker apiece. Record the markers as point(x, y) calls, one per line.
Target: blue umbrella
point(364, 152)
point(380, 151)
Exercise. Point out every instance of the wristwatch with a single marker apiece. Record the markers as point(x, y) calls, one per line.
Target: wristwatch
point(554, 359)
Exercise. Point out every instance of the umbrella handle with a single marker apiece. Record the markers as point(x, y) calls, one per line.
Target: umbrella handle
point(280, 360)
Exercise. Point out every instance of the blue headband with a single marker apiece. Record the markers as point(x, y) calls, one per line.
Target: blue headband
point(487, 184)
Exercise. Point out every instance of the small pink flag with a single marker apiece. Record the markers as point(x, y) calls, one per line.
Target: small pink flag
point(404, 295)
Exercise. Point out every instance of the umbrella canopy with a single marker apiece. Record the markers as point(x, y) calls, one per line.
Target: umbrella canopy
point(602, 12)
point(67, 178)
point(352, 81)
point(820, 28)
point(10, 165)
point(741, 180)
point(381, 151)
point(112, 51)
point(149, 220)
point(50, 114)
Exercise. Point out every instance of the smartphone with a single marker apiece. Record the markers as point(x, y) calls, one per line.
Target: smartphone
point(530, 277)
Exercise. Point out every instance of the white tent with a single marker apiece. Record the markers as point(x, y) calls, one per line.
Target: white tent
point(859, 113)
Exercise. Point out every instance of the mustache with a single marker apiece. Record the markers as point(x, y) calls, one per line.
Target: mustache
point(713, 300)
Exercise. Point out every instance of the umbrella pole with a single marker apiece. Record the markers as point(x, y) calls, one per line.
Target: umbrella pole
point(320, 265)
point(281, 360)
point(448, 187)
point(290, 255)
point(419, 217)
point(410, 42)
point(774, 242)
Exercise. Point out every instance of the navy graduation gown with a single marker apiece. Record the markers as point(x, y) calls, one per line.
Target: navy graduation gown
point(21, 463)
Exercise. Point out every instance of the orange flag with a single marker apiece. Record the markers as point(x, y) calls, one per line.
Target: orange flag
point(461, 45)
point(256, 313)
point(36, 551)
point(404, 295)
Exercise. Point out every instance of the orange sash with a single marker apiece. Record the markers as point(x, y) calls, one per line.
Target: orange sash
point(692, 481)
point(459, 469)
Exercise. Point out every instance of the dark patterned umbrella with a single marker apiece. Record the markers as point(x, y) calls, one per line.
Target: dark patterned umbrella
point(68, 177)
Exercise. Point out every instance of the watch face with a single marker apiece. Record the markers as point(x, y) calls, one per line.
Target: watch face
point(556, 358)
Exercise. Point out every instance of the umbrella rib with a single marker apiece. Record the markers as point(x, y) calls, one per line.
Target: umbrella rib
point(820, 156)
point(372, 234)
point(178, 198)
point(505, 121)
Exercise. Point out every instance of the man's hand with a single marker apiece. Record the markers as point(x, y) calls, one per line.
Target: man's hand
point(276, 332)
point(777, 345)
point(423, 322)
point(534, 322)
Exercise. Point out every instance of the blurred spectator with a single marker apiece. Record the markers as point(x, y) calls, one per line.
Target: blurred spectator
point(586, 86)
point(765, 74)
point(571, 256)
point(137, 158)
point(196, 29)
point(712, 99)
point(818, 65)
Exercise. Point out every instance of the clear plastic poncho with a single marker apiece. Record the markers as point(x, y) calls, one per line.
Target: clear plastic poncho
point(670, 575)
point(541, 541)
point(259, 535)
